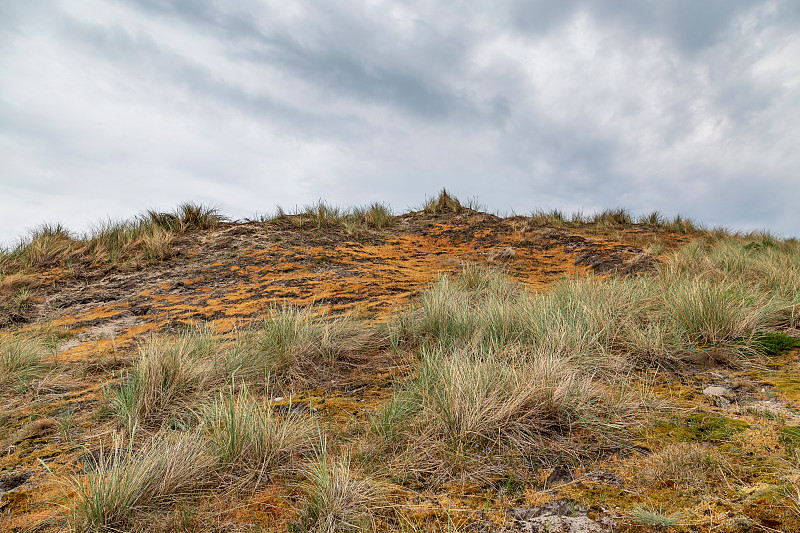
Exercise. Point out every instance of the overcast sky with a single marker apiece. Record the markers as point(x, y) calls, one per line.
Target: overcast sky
point(108, 108)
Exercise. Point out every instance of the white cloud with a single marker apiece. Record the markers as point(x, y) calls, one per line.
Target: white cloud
point(107, 109)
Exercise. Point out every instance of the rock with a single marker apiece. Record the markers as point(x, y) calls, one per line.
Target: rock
point(14, 490)
point(608, 478)
point(560, 515)
point(14, 480)
point(720, 396)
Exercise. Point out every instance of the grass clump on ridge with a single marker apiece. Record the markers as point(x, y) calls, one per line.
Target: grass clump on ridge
point(188, 216)
point(354, 220)
point(445, 203)
point(377, 216)
point(612, 218)
point(147, 237)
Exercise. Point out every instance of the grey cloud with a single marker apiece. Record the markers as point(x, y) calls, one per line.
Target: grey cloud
point(342, 75)
point(141, 57)
point(334, 63)
point(690, 25)
point(396, 100)
point(541, 16)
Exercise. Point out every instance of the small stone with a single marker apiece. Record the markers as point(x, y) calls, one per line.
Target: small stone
point(714, 391)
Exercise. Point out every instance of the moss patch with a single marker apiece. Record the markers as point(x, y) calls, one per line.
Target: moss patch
point(702, 427)
point(776, 343)
point(790, 438)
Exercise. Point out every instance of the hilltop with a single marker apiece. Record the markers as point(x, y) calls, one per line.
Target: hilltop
point(445, 369)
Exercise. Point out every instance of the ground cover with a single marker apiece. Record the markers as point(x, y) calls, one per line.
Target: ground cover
point(440, 370)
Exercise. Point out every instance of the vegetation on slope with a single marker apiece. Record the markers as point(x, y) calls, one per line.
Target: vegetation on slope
point(491, 391)
point(141, 240)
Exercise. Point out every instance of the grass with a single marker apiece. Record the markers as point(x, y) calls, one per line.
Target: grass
point(489, 382)
point(475, 415)
point(171, 373)
point(125, 484)
point(443, 204)
point(291, 347)
point(715, 300)
point(145, 238)
point(292, 344)
point(16, 306)
point(66, 423)
point(335, 498)
point(714, 314)
point(655, 518)
point(377, 216)
point(686, 465)
point(502, 370)
point(355, 220)
point(188, 216)
point(251, 443)
point(46, 244)
point(615, 218)
point(23, 358)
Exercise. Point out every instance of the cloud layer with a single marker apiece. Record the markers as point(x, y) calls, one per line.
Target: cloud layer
point(109, 108)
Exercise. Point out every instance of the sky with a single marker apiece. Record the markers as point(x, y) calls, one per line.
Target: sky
point(109, 108)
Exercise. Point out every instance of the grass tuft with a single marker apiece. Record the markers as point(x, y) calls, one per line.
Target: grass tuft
point(171, 372)
point(293, 343)
point(250, 442)
point(126, 482)
point(45, 245)
point(655, 518)
point(444, 203)
point(377, 216)
point(337, 500)
point(22, 360)
point(145, 238)
point(473, 414)
point(187, 216)
point(685, 465)
point(613, 218)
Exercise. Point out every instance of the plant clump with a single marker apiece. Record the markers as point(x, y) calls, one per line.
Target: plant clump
point(250, 442)
point(23, 358)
